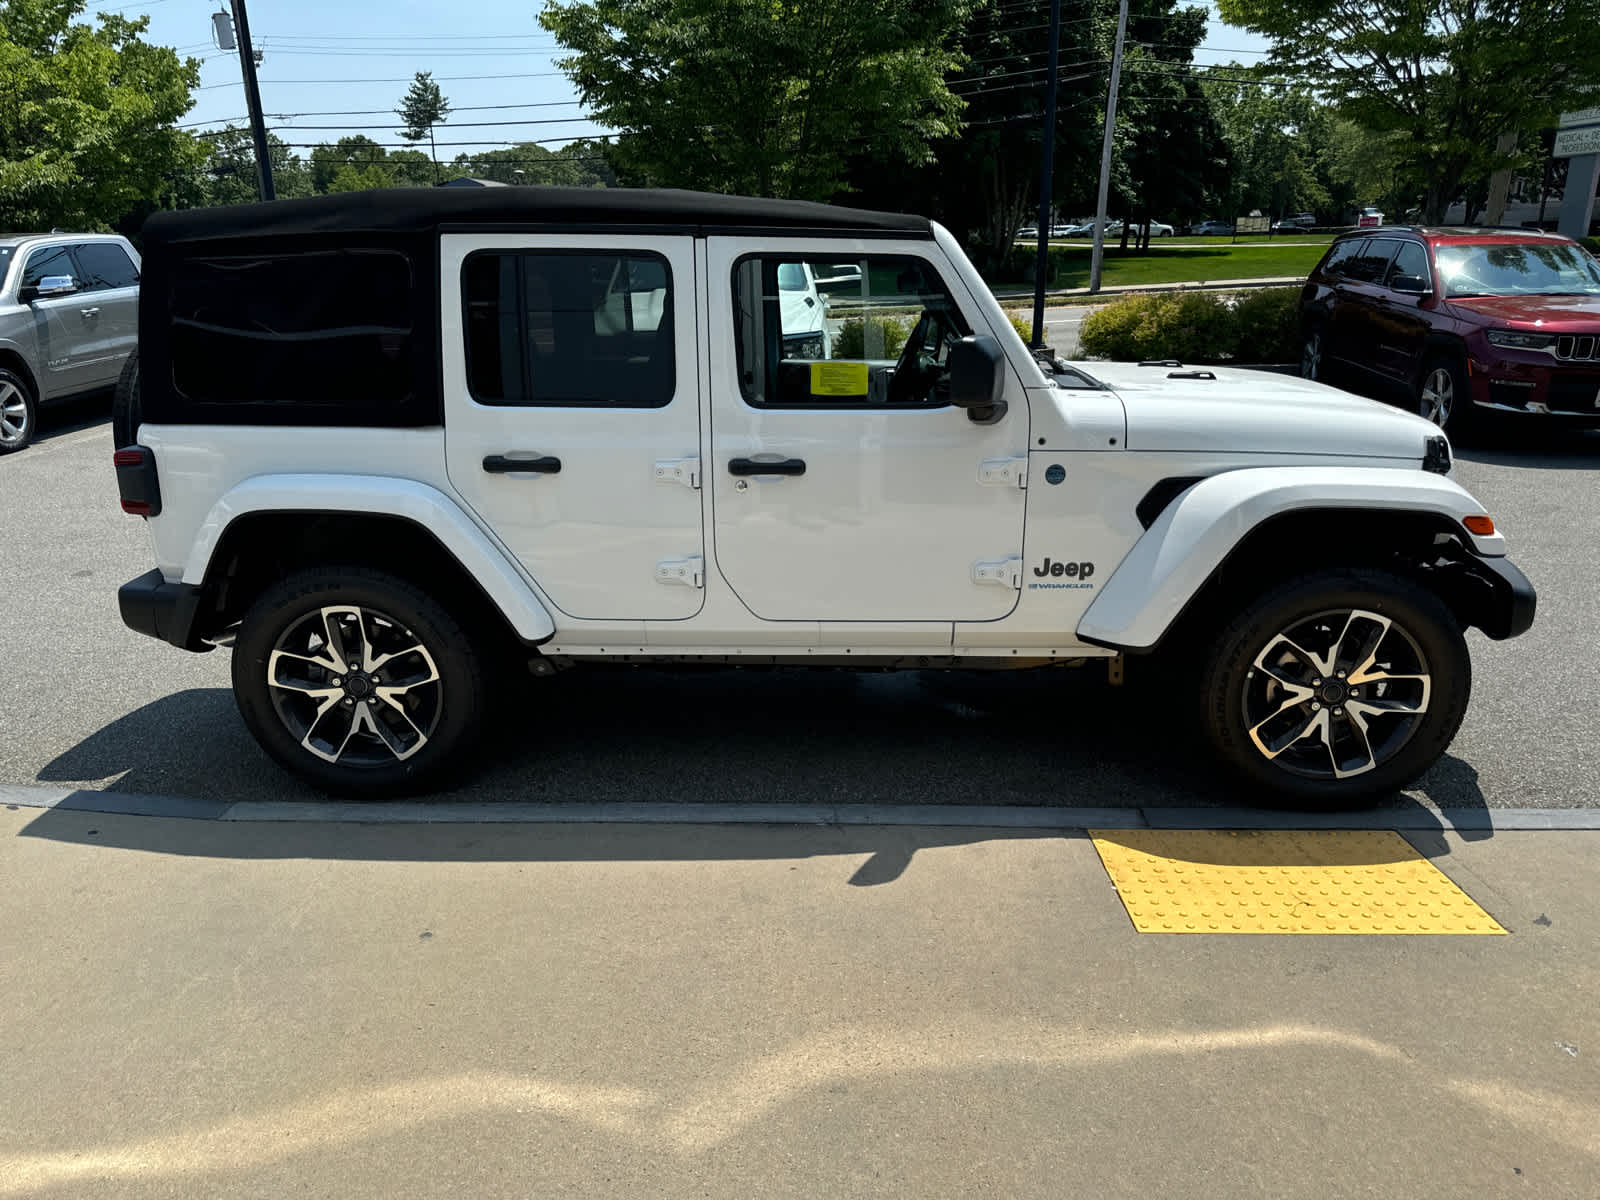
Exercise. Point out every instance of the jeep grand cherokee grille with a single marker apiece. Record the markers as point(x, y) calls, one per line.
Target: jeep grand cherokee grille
point(1573, 346)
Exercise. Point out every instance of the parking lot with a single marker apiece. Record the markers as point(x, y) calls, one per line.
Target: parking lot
point(87, 703)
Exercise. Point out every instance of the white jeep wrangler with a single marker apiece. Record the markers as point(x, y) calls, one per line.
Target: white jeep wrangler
point(388, 442)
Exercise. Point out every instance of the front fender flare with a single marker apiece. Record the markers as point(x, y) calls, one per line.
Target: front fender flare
point(499, 577)
point(1197, 531)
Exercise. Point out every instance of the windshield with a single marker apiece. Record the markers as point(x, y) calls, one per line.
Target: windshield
point(1518, 269)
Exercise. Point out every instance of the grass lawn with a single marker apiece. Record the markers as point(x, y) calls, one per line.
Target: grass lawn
point(1244, 239)
point(1178, 264)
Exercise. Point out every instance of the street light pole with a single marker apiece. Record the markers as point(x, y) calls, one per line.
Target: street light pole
point(252, 95)
point(1041, 262)
point(1105, 153)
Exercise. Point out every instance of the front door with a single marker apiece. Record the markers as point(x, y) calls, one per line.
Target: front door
point(63, 326)
point(572, 409)
point(845, 487)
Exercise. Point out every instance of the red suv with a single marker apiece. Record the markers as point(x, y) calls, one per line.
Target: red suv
point(1464, 320)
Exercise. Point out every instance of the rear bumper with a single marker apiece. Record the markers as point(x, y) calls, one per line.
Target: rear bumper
point(152, 606)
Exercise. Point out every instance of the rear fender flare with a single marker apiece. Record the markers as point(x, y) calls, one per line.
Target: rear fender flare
point(499, 577)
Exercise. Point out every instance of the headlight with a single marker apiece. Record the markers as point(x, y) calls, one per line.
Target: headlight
point(1515, 339)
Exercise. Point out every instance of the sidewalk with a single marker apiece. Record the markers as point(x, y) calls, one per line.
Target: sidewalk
point(226, 1008)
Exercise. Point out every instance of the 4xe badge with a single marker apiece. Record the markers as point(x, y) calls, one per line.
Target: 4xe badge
point(1079, 572)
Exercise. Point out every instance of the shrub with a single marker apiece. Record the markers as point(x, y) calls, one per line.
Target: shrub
point(1592, 245)
point(851, 340)
point(1024, 328)
point(1187, 326)
point(1268, 321)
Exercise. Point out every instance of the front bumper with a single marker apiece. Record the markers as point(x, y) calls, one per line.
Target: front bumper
point(1527, 382)
point(1500, 597)
point(150, 605)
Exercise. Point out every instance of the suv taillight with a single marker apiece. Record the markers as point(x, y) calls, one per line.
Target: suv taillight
point(136, 481)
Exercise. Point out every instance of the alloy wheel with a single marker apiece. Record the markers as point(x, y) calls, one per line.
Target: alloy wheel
point(1311, 357)
point(1337, 694)
point(354, 686)
point(14, 419)
point(1437, 396)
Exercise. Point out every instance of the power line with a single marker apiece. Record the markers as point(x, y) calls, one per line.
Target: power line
point(398, 79)
point(380, 112)
point(451, 125)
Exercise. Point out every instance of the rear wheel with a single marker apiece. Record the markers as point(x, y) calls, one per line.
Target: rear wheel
point(19, 412)
point(357, 681)
point(1338, 688)
point(1311, 351)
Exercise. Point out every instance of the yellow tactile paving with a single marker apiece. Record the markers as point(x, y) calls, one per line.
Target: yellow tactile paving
point(1306, 881)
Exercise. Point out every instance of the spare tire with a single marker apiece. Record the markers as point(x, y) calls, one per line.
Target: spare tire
point(126, 413)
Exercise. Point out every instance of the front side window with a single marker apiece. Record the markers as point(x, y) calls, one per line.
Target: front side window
point(52, 260)
point(105, 265)
point(836, 332)
point(1411, 262)
point(577, 329)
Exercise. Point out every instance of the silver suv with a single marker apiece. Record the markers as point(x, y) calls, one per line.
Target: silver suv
point(69, 318)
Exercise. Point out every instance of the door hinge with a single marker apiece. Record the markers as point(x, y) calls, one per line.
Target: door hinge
point(690, 572)
point(1003, 472)
point(679, 470)
point(1006, 572)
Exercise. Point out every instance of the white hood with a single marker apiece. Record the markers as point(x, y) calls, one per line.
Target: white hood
point(1257, 412)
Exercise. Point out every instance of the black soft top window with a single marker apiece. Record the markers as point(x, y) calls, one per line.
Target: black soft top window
point(276, 337)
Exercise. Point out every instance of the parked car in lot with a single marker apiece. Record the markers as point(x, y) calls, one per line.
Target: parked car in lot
point(1160, 229)
point(1461, 322)
point(1213, 229)
point(68, 321)
point(383, 477)
point(1369, 218)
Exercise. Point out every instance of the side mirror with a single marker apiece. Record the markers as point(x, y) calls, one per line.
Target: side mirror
point(55, 285)
point(1410, 285)
point(977, 378)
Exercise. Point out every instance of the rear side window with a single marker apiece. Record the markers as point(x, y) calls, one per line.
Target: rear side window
point(105, 265)
point(1369, 265)
point(569, 329)
point(296, 331)
point(52, 260)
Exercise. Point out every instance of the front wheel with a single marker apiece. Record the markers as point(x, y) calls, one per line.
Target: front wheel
point(357, 681)
point(1338, 688)
point(19, 412)
point(1442, 395)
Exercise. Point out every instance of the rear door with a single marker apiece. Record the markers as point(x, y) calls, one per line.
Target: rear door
point(1357, 300)
point(109, 286)
point(572, 423)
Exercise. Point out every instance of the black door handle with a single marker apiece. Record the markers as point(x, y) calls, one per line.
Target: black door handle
point(499, 464)
point(750, 466)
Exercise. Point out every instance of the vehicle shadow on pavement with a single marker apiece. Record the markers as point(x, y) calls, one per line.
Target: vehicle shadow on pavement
point(1536, 449)
point(1055, 738)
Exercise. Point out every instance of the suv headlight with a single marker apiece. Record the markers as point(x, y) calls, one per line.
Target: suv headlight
point(1516, 339)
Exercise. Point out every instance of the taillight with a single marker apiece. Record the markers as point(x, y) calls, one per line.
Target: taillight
point(136, 481)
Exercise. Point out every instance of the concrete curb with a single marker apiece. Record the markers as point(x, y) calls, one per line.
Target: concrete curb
point(1135, 289)
point(443, 812)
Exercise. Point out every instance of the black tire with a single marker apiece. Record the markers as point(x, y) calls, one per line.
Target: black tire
point(1441, 394)
point(1399, 743)
point(19, 411)
point(448, 712)
point(1313, 354)
point(126, 411)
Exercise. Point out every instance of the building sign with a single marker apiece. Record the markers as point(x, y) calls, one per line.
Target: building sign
point(1578, 133)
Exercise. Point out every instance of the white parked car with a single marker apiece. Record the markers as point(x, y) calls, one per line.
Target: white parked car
point(388, 443)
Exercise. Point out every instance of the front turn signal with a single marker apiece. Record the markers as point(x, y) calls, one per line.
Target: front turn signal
point(1482, 525)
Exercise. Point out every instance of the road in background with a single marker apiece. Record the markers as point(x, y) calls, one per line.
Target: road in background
point(87, 702)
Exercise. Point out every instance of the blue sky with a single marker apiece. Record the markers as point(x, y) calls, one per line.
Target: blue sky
point(373, 52)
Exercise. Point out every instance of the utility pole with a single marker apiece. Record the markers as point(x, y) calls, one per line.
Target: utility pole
point(1041, 262)
point(1105, 153)
point(252, 95)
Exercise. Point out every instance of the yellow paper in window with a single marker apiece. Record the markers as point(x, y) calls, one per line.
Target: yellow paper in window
point(838, 379)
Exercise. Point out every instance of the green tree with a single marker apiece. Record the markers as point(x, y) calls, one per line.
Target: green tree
point(1277, 133)
point(1447, 77)
point(229, 173)
point(358, 151)
point(360, 179)
point(527, 162)
point(87, 119)
point(423, 107)
point(761, 97)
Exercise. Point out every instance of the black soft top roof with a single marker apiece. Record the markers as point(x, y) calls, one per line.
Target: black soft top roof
point(425, 210)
